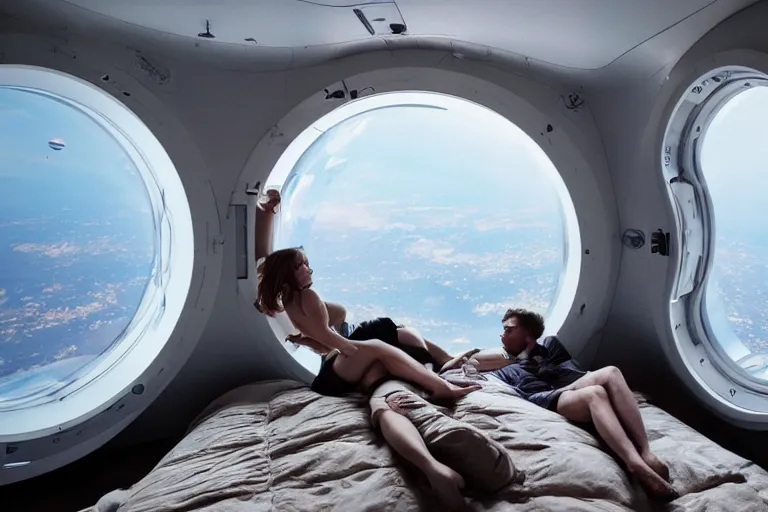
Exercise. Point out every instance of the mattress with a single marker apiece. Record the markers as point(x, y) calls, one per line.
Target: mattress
point(277, 446)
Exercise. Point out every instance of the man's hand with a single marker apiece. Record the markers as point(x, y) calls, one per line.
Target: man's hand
point(269, 201)
point(459, 360)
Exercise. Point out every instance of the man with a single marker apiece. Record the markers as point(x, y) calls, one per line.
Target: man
point(544, 374)
point(434, 443)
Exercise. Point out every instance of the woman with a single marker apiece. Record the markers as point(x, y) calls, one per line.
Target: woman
point(285, 285)
point(371, 354)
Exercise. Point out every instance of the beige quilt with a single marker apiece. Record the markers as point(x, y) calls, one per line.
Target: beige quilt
point(277, 446)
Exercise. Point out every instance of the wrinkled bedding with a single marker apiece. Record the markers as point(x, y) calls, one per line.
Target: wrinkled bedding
point(277, 446)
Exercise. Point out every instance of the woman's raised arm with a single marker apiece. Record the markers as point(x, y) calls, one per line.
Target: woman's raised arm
point(266, 206)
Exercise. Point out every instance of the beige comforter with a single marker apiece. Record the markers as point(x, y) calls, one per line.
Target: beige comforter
point(277, 446)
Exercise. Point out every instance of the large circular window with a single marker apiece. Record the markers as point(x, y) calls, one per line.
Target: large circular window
point(96, 244)
point(431, 210)
point(716, 164)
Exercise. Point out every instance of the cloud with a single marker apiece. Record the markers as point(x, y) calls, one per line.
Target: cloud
point(25, 222)
point(460, 341)
point(51, 250)
point(486, 264)
point(35, 316)
point(439, 252)
point(535, 301)
point(384, 215)
point(55, 287)
point(65, 353)
point(362, 312)
point(3, 296)
point(357, 216)
point(486, 308)
point(509, 223)
point(427, 324)
point(96, 247)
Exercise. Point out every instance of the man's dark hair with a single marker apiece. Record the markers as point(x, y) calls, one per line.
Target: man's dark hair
point(529, 320)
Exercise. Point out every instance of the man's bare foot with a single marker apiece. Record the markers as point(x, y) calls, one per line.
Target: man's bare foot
point(447, 485)
point(655, 464)
point(654, 484)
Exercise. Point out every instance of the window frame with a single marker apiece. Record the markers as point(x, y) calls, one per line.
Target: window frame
point(284, 170)
point(696, 223)
point(53, 436)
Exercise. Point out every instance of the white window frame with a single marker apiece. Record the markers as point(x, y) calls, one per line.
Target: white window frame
point(119, 386)
point(283, 172)
point(740, 395)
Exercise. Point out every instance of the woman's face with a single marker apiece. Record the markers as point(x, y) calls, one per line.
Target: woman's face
point(302, 272)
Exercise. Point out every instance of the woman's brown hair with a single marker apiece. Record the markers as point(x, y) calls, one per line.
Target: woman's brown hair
point(277, 283)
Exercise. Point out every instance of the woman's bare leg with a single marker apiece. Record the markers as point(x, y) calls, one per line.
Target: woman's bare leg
point(398, 364)
point(591, 403)
point(625, 407)
point(374, 374)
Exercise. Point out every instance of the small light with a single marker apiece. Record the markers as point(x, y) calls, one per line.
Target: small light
point(12, 465)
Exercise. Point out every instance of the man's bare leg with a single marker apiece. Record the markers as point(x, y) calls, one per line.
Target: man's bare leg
point(398, 364)
point(405, 439)
point(625, 407)
point(591, 403)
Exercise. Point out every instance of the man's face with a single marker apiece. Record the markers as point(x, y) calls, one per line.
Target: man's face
point(515, 336)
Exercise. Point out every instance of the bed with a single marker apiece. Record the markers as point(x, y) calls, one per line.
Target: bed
point(277, 446)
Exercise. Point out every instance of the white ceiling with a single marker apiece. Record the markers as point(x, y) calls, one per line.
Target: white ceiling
point(585, 34)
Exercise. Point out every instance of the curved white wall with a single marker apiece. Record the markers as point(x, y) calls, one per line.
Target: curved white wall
point(222, 115)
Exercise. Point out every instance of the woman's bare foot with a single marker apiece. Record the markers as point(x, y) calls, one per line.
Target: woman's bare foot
point(453, 392)
point(447, 485)
point(654, 484)
point(655, 464)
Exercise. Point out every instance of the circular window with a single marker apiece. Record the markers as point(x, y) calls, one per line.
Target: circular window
point(714, 160)
point(96, 243)
point(432, 210)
